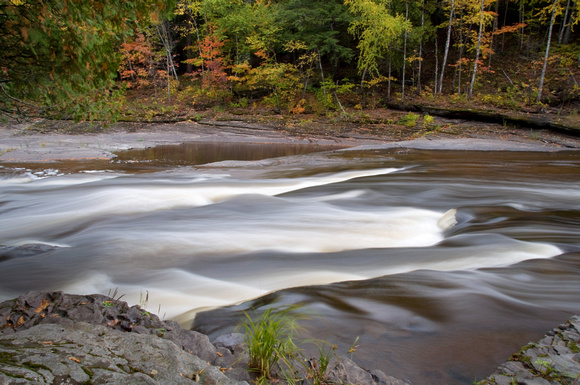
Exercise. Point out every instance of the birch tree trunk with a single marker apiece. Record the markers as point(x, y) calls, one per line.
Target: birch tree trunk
point(541, 86)
point(477, 50)
point(421, 49)
point(404, 52)
point(447, 44)
point(563, 27)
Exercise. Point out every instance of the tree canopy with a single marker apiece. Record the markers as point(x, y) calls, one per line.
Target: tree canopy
point(58, 53)
point(71, 58)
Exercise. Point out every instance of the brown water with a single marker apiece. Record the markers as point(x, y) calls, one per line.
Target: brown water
point(443, 263)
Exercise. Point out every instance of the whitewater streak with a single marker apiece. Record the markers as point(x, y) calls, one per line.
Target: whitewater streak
point(200, 241)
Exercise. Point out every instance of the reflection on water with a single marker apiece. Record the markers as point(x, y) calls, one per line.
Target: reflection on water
point(443, 262)
point(166, 157)
point(196, 153)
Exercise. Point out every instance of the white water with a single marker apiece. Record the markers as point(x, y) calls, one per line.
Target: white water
point(199, 240)
point(470, 248)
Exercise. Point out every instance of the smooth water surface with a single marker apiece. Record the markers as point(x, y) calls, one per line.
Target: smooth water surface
point(442, 262)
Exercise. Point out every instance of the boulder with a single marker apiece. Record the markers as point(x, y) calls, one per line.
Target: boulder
point(84, 353)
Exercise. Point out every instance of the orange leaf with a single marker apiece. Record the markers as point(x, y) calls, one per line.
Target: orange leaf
point(43, 305)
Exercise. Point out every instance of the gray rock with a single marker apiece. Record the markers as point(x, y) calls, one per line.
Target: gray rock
point(347, 372)
point(551, 361)
point(233, 341)
point(382, 379)
point(51, 337)
point(83, 353)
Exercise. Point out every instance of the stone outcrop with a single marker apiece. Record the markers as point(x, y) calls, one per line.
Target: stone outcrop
point(82, 353)
point(59, 338)
point(555, 359)
point(56, 338)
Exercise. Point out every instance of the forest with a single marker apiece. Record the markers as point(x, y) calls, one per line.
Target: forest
point(136, 59)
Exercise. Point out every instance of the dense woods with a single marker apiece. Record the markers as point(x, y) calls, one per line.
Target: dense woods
point(95, 59)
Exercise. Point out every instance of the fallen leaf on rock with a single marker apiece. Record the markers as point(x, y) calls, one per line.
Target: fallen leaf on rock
point(47, 342)
point(74, 359)
point(43, 305)
point(219, 354)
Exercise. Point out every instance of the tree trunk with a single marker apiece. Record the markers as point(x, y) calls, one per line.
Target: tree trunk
point(447, 44)
point(477, 50)
point(322, 77)
point(543, 75)
point(437, 65)
point(404, 53)
point(198, 43)
point(522, 19)
point(421, 49)
point(563, 27)
point(362, 89)
point(494, 28)
point(389, 81)
point(460, 66)
point(507, 3)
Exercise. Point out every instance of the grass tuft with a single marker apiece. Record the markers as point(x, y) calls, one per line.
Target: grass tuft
point(269, 339)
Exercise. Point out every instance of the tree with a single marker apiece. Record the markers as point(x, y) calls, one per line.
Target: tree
point(447, 44)
point(57, 54)
point(377, 31)
point(483, 17)
point(543, 75)
point(406, 30)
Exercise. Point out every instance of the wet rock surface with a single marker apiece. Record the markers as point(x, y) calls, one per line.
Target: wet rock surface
point(555, 359)
point(57, 338)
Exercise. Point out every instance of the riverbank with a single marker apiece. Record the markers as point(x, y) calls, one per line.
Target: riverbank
point(57, 338)
point(52, 141)
point(555, 359)
point(53, 338)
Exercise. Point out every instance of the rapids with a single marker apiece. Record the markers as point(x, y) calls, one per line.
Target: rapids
point(442, 263)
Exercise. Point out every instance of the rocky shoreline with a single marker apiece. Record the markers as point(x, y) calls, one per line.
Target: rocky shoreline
point(55, 141)
point(57, 338)
point(555, 359)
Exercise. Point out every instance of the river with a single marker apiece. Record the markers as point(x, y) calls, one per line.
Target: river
point(442, 263)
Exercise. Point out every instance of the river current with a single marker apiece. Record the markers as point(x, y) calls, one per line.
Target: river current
point(442, 263)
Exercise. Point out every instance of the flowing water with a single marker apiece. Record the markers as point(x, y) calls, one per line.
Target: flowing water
point(442, 263)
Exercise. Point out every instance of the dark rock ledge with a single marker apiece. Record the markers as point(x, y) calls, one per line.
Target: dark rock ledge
point(56, 338)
